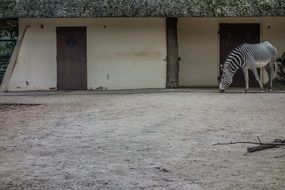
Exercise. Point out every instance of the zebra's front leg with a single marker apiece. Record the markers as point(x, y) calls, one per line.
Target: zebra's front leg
point(254, 70)
point(245, 72)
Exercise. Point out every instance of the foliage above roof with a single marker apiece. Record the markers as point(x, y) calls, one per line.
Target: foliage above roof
point(140, 8)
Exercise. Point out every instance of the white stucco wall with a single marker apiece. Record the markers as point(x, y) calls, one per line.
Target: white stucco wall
point(36, 64)
point(122, 53)
point(274, 32)
point(129, 53)
point(199, 46)
point(197, 39)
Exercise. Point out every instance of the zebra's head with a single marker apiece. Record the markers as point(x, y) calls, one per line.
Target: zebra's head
point(226, 79)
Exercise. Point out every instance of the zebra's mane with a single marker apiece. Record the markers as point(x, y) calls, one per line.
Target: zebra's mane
point(228, 61)
point(236, 48)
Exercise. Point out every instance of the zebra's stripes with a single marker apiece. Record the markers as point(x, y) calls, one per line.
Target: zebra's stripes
point(247, 56)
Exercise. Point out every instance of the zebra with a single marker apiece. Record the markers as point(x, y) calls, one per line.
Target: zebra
point(249, 56)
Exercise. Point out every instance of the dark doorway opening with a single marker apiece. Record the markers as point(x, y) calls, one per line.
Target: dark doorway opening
point(232, 35)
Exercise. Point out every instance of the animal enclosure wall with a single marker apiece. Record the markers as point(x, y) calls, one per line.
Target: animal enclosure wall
point(198, 40)
point(130, 53)
point(273, 31)
point(122, 53)
point(197, 46)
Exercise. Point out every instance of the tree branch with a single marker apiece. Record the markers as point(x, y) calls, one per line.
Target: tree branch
point(261, 146)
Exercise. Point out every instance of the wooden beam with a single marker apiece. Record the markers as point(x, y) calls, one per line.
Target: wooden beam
point(172, 53)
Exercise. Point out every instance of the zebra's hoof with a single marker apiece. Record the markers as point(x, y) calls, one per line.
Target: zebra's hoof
point(245, 91)
point(222, 91)
point(270, 90)
point(261, 91)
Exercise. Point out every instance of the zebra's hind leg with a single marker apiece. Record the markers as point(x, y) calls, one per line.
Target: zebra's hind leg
point(254, 70)
point(269, 70)
point(245, 72)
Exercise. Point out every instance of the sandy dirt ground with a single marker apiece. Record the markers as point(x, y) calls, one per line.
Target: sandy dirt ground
point(141, 141)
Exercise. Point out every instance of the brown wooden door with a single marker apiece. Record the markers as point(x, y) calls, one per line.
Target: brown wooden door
point(232, 35)
point(71, 58)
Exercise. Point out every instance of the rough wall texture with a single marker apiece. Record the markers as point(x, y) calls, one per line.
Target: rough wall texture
point(140, 8)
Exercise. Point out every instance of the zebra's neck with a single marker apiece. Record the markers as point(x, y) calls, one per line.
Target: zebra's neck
point(231, 67)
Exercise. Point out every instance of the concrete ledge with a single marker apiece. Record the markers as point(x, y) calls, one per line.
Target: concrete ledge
point(136, 91)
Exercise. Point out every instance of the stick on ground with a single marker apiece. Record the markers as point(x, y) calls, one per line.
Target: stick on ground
point(261, 146)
